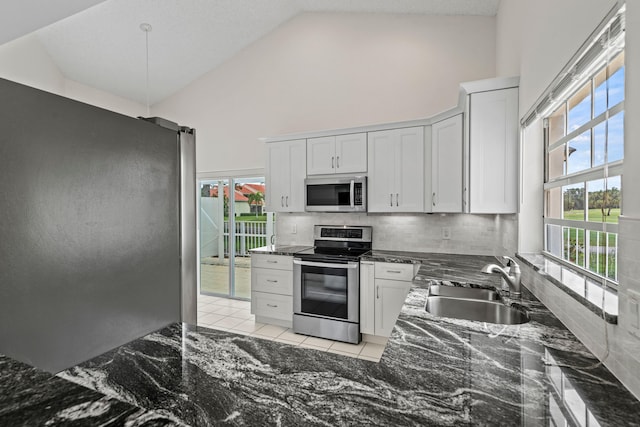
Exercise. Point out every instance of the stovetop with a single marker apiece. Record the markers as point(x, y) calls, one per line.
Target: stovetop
point(338, 244)
point(332, 254)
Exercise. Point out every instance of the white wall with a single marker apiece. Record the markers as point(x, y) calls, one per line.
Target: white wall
point(25, 61)
point(327, 71)
point(508, 38)
point(542, 54)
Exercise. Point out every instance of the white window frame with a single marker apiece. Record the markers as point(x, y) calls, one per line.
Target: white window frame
point(604, 44)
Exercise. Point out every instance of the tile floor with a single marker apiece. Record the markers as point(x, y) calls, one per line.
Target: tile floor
point(235, 316)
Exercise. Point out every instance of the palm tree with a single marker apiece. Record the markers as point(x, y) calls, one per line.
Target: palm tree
point(256, 199)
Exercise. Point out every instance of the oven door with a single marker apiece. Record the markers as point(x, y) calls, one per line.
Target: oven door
point(329, 290)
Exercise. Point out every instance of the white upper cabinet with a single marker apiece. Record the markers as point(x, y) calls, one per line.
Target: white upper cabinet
point(337, 154)
point(446, 166)
point(396, 170)
point(286, 171)
point(493, 152)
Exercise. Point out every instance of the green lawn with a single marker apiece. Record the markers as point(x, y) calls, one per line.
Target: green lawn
point(595, 215)
point(596, 261)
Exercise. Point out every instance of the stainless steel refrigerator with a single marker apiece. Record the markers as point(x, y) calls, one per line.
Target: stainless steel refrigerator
point(97, 227)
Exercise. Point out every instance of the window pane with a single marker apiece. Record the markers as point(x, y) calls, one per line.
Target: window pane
point(615, 84)
point(554, 240)
point(573, 202)
point(603, 254)
point(604, 200)
point(573, 245)
point(600, 93)
point(579, 108)
point(599, 144)
point(615, 137)
point(612, 256)
point(579, 158)
point(556, 124)
point(553, 202)
point(597, 252)
point(557, 162)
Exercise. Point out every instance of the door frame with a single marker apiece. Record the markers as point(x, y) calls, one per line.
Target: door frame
point(230, 176)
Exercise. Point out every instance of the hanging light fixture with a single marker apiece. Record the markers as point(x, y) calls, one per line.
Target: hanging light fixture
point(147, 28)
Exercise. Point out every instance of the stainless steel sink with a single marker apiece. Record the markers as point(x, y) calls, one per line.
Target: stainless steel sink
point(469, 293)
point(475, 309)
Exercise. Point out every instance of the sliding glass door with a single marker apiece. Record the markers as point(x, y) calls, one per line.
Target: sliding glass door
point(232, 222)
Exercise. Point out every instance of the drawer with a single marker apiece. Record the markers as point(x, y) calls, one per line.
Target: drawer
point(272, 305)
point(278, 262)
point(273, 281)
point(394, 271)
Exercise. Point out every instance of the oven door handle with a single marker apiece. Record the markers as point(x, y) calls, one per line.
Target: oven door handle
point(325, 264)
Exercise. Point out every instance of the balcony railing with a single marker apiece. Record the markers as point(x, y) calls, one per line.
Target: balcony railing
point(249, 235)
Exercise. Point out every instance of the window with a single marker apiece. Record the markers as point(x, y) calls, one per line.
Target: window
point(584, 154)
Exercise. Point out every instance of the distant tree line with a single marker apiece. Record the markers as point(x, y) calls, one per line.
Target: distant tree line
point(605, 200)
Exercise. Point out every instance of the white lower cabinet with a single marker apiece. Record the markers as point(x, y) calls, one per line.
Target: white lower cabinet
point(272, 306)
point(383, 289)
point(272, 289)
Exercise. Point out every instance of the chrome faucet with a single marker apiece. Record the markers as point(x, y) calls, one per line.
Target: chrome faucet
point(510, 275)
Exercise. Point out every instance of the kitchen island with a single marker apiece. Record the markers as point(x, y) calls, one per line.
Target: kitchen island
point(434, 371)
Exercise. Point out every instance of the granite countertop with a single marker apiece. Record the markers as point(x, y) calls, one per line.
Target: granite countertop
point(434, 371)
point(280, 250)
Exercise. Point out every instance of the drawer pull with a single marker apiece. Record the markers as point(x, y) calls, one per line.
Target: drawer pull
point(272, 305)
point(394, 271)
point(270, 261)
point(272, 281)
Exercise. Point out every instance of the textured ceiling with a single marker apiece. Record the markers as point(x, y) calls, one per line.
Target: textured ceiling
point(104, 46)
point(20, 17)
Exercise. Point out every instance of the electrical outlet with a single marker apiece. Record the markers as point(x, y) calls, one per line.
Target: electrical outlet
point(446, 233)
point(294, 230)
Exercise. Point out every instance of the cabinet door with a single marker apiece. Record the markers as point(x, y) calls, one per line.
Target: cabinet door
point(446, 165)
point(382, 170)
point(297, 172)
point(321, 156)
point(277, 178)
point(493, 151)
point(390, 296)
point(367, 298)
point(409, 194)
point(351, 153)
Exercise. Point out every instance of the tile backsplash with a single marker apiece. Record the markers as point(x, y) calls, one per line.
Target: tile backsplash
point(469, 234)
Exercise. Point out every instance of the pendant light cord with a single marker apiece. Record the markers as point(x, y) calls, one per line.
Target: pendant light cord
point(147, 28)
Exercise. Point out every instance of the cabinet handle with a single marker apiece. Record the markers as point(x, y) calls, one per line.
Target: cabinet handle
point(391, 199)
point(394, 271)
point(272, 281)
point(433, 199)
point(397, 196)
point(272, 305)
point(338, 162)
point(377, 292)
point(282, 201)
point(332, 164)
point(272, 261)
point(286, 201)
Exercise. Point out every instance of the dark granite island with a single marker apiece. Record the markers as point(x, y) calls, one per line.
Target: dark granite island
point(435, 371)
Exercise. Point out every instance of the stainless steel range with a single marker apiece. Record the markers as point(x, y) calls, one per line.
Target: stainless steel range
point(326, 283)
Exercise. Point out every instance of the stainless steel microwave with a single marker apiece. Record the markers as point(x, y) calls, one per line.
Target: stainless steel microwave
point(336, 194)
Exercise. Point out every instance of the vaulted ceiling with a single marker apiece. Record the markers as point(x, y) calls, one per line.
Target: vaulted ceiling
point(104, 46)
